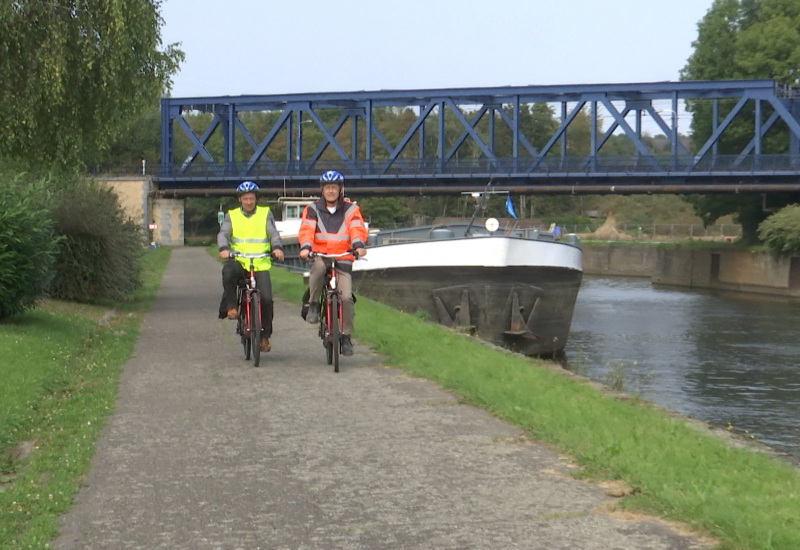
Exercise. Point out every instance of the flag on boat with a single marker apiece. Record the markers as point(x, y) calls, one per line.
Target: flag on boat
point(510, 207)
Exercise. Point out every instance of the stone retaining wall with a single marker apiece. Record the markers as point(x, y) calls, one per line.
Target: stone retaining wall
point(702, 268)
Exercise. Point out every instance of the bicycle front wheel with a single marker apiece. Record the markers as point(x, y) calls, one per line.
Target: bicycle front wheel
point(324, 331)
point(255, 326)
point(336, 336)
point(242, 326)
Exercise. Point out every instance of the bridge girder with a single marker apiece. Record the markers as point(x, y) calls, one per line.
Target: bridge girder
point(276, 157)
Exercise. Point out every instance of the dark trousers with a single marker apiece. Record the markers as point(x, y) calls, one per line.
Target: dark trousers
point(232, 273)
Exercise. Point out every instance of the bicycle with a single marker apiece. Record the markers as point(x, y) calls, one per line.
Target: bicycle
point(248, 303)
point(331, 310)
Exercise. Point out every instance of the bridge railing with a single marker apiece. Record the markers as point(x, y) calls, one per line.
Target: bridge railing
point(490, 167)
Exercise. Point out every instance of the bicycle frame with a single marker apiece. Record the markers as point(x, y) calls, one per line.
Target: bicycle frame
point(245, 293)
point(331, 289)
point(250, 323)
point(331, 310)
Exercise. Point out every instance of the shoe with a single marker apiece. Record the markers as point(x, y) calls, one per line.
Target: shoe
point(313, 314)
point(264, 344)
point(233, 313)
point(347, 345)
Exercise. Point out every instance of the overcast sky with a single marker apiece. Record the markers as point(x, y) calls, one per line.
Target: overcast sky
point(260, 47)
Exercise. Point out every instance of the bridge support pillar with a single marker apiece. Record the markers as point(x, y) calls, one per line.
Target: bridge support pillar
point(168, 216)
point(136, 198)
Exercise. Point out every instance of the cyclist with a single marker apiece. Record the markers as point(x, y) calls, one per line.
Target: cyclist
point(332, 225)
point(249, 229)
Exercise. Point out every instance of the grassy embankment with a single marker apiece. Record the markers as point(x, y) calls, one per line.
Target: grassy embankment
point(741, 497)
point(59, 373)
point(61, 386)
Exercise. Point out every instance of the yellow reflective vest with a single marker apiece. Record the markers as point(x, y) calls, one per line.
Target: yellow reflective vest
point(249, 236)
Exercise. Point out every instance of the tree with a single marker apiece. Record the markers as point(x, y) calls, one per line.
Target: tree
point(28, 244)
point(743, 39)
point(200, 214)
point(74, 75)
point(100, 246)
point(385, 212)
point(141, 140)
point(537, 123)
point(781, 231)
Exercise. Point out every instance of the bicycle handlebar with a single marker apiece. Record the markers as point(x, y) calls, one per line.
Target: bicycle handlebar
point(329, 256)
point(252, 255)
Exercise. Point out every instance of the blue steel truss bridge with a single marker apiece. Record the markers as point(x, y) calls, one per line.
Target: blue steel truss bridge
point(458, 140)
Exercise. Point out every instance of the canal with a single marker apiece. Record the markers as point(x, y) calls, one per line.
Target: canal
point(732, 360)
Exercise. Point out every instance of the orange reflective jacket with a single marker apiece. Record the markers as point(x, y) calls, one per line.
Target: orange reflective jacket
point(332, 233)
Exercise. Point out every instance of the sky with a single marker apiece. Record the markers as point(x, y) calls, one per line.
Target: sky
point(262, 47)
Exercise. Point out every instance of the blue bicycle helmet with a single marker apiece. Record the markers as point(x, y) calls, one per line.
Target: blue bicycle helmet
point(331, 176)
point(246, 187)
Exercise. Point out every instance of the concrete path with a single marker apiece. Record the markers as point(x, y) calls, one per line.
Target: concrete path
point(205, 451)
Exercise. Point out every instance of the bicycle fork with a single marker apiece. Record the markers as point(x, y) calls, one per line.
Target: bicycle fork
point(329, 302)
point(247, 308)
point(248, 295)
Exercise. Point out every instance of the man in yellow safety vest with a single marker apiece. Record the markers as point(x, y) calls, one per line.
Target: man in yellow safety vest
point(249, 229)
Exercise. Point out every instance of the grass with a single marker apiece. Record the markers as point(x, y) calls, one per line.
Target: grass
point(57, 392)
point(741, 497)
point(61, 387)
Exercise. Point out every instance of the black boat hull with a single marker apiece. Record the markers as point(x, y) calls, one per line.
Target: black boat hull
point(527, 309)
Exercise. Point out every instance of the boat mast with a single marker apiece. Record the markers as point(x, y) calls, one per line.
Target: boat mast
point(480, 202)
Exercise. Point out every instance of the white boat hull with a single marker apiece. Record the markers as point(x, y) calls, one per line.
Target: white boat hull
point(484, 251)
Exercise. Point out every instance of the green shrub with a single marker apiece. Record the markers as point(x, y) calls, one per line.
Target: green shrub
point(781, 231)
point(28, 246)
point(99, 255)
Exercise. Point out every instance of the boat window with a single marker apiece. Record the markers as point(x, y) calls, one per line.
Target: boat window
point(291, 211)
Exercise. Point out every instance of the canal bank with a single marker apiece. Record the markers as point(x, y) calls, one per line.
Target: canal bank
point(713, 268)
point(727, 359)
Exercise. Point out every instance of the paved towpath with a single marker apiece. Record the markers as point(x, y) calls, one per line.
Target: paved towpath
point(205, 451)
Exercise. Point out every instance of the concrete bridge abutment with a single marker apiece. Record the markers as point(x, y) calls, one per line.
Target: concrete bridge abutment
point(161, 219)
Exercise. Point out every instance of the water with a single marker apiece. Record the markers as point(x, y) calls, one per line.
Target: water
point(727, 359)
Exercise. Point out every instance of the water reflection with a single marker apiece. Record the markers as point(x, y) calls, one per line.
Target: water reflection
point(725, 359)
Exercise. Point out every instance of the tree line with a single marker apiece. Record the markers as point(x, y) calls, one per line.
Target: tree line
point(74, 78)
